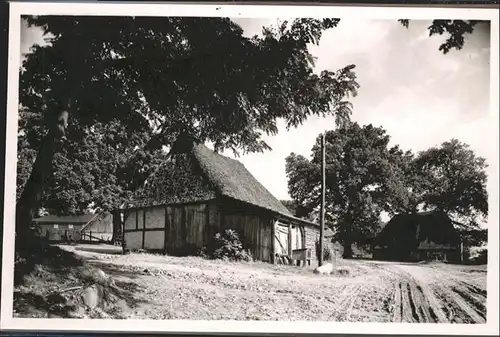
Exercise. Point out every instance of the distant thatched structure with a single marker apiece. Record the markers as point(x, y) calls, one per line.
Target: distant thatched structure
point(417, 237)
point(197, 193)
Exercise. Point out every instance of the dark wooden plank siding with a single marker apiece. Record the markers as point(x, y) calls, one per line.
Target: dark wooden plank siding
point(194, 225)
point(311, 236)
point(254, 224)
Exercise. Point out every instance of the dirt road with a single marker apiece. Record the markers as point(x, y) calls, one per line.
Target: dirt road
point(365, 291)
point(437, 293)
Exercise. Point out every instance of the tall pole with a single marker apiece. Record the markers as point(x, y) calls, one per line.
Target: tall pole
point(322, 214)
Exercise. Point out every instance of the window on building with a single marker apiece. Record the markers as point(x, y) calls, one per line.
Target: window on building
point(56, 226)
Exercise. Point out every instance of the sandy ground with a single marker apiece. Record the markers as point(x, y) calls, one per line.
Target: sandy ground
point(367, 291)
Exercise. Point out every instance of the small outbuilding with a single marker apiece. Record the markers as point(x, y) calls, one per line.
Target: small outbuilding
point(418, 237)
point(85, 227)
point(197, 193)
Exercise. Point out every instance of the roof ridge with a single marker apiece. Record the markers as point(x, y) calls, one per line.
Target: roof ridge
point(224, 176)
point(223, 190)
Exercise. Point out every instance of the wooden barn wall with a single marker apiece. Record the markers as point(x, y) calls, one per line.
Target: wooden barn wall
point(196, 218)
point(281, 237)
point(139, 218)
point(297, 237)
point(133, 240)
point(286, 234)
point(130, 220)
point(177, 227)
point(256, 233)
point(155, 217)
point(58, 234)
point(185, 226)
point(154, 240)
point(171, 228)
point(312, 235)
point(254, 225)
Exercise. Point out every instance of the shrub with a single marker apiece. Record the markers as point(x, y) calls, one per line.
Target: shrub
point(227, 245)
point(479, 256)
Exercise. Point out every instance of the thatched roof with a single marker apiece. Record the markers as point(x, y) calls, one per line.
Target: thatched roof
point(233, 180)
point(424, 230)
point(213, 173)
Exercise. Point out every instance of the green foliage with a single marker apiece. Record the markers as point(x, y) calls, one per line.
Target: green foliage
point(102, 166)
point(183, 74)
point(25, 158)
point(228, 245)
point(456, 30)
point(479, 257)
point(132, 84)
point(473, 237)
point(297, 210)
point(453, 179)
point(360, 170)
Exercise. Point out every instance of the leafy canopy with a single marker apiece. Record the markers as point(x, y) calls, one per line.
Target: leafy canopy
point(132, 84)
point(454, 180)
point(359, 171)
point(456, 30)
point(171, 74)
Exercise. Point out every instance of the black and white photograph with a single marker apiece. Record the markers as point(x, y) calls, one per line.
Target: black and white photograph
point(251, 164)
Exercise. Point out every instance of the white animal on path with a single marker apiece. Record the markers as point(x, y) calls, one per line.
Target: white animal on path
point(325, 269)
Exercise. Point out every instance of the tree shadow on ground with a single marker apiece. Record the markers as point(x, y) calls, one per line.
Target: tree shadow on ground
point(54, 258)
point(114, 270)
point(38, 306)
point(114, 299)
point(126, 291)
point(43, 274)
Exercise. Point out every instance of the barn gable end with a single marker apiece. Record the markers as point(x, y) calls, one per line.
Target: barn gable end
point(418, 236)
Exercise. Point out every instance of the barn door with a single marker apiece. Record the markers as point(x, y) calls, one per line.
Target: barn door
point(281, 239)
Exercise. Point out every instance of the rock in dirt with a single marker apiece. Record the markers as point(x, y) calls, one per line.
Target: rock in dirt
point(92, 296)
point(99, 276)
point(325, 269)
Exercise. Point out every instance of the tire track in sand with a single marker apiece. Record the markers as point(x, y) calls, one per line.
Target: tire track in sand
point(345, 303)
point(443, 294)
point(415, 301)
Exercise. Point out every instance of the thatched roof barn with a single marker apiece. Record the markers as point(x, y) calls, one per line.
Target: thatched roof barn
point(416, 237)
point(197, 193)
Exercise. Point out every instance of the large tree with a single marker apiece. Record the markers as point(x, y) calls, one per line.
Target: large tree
point(162, 76)
point(453, 179)
point(361, 177)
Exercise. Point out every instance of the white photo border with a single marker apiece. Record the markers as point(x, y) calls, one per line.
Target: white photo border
point(7, 322)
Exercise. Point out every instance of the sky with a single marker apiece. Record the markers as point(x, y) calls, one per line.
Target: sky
point(419, 95)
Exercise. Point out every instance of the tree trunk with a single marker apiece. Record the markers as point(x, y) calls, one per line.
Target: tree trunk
point(347, 237)
point(117, 225)
point(347, 250)
point(29, 201)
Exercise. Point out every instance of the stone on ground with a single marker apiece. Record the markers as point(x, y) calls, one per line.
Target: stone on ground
point(92, 296)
